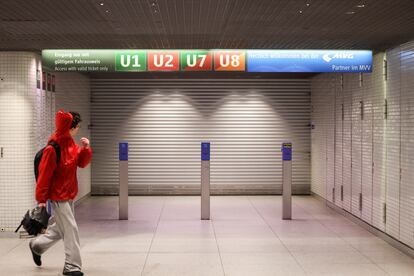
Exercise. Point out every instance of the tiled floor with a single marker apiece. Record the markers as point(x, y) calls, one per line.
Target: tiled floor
point(246, 236)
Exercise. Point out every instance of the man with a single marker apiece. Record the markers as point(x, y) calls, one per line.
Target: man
point(58, 183)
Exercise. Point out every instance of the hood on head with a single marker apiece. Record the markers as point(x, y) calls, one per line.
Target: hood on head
point(63, 122)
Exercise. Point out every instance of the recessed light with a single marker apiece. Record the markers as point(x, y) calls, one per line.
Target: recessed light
point(101, 4)
point(107, 11)
point(350, 12)
point(361, 6)
point(300, 12)
point(307, 4)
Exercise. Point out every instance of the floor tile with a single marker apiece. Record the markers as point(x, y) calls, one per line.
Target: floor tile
point(183, 264)
point(246, 236)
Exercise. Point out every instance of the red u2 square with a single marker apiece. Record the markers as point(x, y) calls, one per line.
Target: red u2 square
point(163, 61)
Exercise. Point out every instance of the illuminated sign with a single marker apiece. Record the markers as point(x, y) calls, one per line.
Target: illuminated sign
point(311, 61)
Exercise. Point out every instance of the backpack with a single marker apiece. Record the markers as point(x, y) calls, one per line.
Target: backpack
point(39, 154)
point(35, 221)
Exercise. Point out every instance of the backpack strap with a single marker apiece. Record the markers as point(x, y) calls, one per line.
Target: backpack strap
point(57, 150)
point(18, 228)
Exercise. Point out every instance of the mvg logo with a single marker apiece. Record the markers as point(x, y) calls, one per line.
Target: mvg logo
point(329, 57)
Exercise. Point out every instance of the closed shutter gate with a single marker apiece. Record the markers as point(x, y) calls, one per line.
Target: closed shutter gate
point(320, 102)
point(377, 90)
point(393, 143)
point(407, 144)
point(356, 143)
point(330, 138)
point(338, 139)
point(367, 138)
point(164, 122)
point(347, 142)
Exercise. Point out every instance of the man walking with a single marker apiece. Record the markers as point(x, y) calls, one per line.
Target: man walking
point(58, 183)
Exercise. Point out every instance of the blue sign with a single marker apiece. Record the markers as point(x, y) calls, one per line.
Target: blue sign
point(205, 151)
point(312, 61)
point(287, 151)
point(123, 151)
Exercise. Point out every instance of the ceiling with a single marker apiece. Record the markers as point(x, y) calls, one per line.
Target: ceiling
point(205, 24)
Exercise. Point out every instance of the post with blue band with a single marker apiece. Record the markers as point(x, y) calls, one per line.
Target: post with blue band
point(123, 181)
point(205, 180)
point(287, 180)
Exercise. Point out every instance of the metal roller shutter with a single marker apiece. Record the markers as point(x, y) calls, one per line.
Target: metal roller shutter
point(330, 138)
point(356, 151)
point(393, 142)
point(347, 142)
point(367, 140)
point(338, 139)
point(318, 161)
point(323, 114)
point(407, 144)
point(164, 120)
point(377, 90)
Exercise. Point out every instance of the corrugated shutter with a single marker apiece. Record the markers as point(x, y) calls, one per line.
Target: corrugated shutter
point(356, 164)
point(347, 142)
point(339, 100)
point(322, 135)
point(377, 90)
point(164, 120)
point(318, 158)
point(330, 137)
point(393, 139)
point(407, 144)
point(367, 141)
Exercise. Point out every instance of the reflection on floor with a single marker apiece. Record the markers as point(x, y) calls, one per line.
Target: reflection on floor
point(164, 236)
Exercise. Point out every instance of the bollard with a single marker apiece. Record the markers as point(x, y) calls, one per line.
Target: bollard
point(287, 180)
point(205, 180)
point(123, 181)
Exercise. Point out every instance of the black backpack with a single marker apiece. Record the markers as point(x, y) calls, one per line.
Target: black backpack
point(35, 221)
point(39, 154)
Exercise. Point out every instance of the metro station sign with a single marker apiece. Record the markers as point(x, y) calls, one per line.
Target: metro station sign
point(266, 61)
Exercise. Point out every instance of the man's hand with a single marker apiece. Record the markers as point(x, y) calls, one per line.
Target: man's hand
point(85, 142)
point(42, 205)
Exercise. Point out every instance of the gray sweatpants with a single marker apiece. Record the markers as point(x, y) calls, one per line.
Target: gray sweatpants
point(62, 225)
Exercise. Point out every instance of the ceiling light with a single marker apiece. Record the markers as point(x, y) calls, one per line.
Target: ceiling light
point(361, 6)
point(300, 12)
point(350, 12)
point(307, 4)
point(107, 11)
point(101, 4)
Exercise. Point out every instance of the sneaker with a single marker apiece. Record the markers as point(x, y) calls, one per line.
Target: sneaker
point(36, 258)
point(73, 273)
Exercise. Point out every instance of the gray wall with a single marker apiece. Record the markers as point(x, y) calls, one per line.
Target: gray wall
point(165, 120)
point(362, 159)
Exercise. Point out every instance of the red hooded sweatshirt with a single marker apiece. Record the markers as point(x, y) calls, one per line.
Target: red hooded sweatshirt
point(59, 181)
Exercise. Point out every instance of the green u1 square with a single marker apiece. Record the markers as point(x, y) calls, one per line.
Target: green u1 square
point(131, 61)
